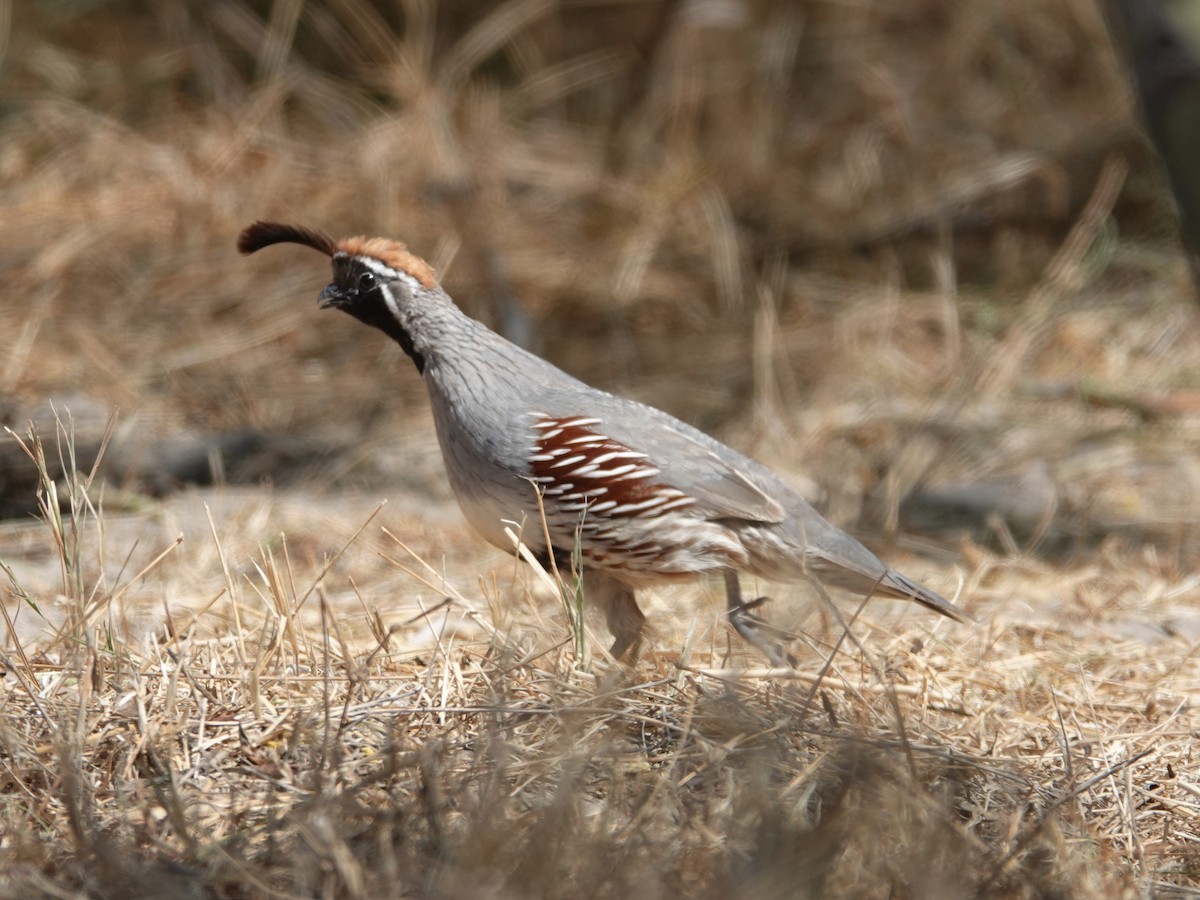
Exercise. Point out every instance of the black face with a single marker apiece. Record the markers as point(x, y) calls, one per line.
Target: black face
point(355, 288)
point(361, 292)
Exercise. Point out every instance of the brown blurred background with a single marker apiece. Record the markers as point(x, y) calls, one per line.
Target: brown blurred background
point(917, 255)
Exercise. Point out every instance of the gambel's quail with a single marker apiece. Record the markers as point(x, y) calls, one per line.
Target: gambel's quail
point(645, 498)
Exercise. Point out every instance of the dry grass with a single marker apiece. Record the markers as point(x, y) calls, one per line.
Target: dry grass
point(912, 254)
point(293, 741)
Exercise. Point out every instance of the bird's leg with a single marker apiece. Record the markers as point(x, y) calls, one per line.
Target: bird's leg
point(755, 631)
point(623, 616)
point(621, 612)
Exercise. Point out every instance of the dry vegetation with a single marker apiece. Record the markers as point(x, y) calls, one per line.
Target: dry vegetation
point(912, 254)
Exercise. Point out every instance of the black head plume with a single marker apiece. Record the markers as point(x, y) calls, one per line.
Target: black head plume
point(264, 234)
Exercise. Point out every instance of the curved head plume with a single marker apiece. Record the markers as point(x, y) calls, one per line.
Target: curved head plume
point(264, 234)
point(391, 253)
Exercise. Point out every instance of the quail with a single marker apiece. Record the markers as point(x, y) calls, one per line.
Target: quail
point(643, 497)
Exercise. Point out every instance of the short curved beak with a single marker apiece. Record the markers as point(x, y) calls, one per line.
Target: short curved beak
point(330, 297)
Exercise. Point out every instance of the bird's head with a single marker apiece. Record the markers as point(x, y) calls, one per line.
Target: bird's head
point(376, 280)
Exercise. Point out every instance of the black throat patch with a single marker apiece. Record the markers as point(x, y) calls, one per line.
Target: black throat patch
point(370, 306)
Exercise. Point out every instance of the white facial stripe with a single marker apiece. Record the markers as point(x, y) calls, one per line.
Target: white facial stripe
point(383, 271)
point(390, 301)
point(386, 273)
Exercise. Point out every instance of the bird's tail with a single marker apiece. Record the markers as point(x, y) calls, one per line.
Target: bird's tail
point(895, 584)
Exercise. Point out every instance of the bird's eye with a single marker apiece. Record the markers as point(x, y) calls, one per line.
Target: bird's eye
point(366, 281)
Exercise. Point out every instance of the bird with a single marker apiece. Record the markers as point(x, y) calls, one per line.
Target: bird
point(640, 497)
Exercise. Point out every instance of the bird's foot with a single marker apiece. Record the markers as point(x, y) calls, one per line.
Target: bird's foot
point(627, 648)
point(761, 634)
